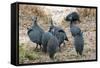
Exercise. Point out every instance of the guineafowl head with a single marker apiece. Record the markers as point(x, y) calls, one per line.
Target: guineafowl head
point(73, 17)
point(34, 20)
point(51, 25)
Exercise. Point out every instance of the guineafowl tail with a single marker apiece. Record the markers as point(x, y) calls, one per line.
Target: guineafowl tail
point(64, 34)
point(80, 53)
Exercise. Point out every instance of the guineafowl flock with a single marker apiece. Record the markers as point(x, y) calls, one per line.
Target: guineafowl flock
point(50, 41)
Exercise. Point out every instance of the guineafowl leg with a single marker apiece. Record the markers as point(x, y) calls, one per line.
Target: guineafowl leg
point(40, 47)
point(36, 46)
point(77, 55)
point(80, 55)
point(59, 48)
point(64, 44)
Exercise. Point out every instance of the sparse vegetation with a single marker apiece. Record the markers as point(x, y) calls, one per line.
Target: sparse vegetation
point(25, 55)
point(86, 12)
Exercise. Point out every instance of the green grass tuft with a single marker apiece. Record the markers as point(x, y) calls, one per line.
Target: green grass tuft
point(25, 54)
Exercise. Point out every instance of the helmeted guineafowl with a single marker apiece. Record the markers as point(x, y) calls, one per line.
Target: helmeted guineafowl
point(35, 32)
point(76, 32)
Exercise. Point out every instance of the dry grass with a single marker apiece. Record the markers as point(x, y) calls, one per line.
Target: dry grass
point(86, 12)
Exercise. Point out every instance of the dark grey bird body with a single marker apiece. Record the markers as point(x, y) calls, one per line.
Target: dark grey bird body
point(52, 46)
point(35, 33)
point(78, 38)
point(45, 38)
point(74, 29)
point(79, 43)
point(59, 33)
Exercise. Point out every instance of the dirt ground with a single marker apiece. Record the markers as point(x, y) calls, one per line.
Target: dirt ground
point(27, 52)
